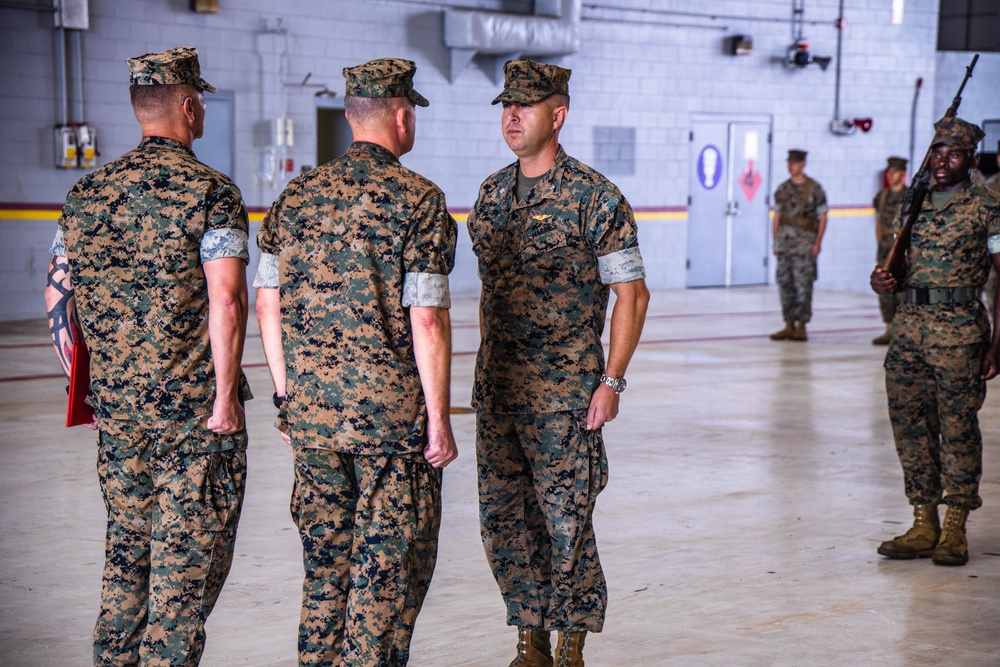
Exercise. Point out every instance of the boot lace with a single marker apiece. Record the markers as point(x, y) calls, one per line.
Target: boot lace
point(921, 524)
point(952, 530)
point(566, 651)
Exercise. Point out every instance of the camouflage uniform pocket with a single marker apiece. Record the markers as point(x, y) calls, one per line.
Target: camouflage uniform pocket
point(545, 241)
point(203, 492)
point(123, 471)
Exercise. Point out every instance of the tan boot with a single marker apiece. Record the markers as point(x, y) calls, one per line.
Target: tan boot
point(799, 332)
point(883, 339)
point(534, 649)
point(569, 649)
point(953, 549)
point(920, 540)
point(785, 333)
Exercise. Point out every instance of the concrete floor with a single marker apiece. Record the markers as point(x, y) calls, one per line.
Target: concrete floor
point(751, 482)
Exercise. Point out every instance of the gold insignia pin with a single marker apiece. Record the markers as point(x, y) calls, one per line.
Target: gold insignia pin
point(540, 218)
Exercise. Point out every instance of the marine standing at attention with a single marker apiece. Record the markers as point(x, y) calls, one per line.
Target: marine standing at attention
point(797, 227)
point(353, 303)
point(941, 353)
point(553, 237)
point(150, 256)
point(886, 205)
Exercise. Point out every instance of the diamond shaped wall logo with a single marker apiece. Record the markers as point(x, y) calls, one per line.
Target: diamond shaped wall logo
point(750, 180)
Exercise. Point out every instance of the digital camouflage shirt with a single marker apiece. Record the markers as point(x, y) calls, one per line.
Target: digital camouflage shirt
point(993, 183)
point(791, 202)
point(546, 262)
point(951, 247)
point(350, 246)
point(137, 232)
point(886, 204)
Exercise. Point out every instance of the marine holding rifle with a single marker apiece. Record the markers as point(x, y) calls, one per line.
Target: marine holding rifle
point(941, 352)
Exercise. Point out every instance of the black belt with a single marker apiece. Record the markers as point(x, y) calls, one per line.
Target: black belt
point(929, 296)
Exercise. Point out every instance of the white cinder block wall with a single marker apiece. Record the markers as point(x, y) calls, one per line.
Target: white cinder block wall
point(649, 70)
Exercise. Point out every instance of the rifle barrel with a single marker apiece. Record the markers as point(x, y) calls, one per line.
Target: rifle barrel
point(953, 109)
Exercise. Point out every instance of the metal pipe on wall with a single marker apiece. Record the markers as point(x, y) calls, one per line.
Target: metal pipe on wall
point(76, 75)
point(59, 58)
point(840, 41)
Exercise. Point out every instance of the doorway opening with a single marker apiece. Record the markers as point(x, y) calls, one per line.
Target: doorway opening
point(333, 134)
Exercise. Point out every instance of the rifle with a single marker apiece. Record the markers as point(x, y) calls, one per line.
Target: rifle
point(913, 199)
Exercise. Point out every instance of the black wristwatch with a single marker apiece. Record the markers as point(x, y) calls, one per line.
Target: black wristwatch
point(617, 384)
point(277, 400)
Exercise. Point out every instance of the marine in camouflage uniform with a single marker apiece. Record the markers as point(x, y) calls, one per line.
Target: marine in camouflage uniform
point(990, 288)
point(553, 237)
point(354, 287)
point(941, 353)
point(150, 256)
point(886, 205)
point(798, 226)
point(993, 182)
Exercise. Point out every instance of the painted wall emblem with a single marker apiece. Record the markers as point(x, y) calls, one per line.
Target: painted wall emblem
point(709, 167)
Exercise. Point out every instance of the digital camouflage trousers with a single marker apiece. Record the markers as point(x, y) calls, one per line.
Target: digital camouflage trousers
point(796, 272)
point(934, 395)
point(173, 493)
point(539, 478)
point(369, 531)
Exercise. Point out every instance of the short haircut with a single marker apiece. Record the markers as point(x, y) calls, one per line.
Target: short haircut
point(561, 100)
point(155, 100)
point(368, 110)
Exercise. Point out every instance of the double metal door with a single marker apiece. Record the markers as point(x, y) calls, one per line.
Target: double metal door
point(729, 186)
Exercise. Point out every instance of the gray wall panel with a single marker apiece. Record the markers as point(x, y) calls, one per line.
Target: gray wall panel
point(650, 71)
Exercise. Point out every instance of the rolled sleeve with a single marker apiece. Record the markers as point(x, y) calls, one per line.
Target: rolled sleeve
point(58, 247)
point(227, 242)
point(426, 290)
point(267, 272)
point(621, 267)
point(993, 243)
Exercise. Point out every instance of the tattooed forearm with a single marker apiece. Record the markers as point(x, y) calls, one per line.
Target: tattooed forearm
point(60, 302)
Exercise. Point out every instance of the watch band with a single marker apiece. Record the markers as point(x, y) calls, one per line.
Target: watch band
point(277, 400)
point(617, 384)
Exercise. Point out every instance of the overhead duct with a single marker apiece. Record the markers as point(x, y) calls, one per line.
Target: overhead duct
point(554, 30)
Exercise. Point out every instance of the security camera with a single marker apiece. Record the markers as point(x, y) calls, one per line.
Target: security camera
point(799, 57)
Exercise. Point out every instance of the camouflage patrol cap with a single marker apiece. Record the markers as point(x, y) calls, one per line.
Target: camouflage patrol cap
point(385, 77)
point(896, 162)
point(177, 65)
point(957, 133)
point(796, 155)
point(527, 82)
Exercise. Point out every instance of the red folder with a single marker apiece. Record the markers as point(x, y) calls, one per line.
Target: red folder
point(77, 410)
